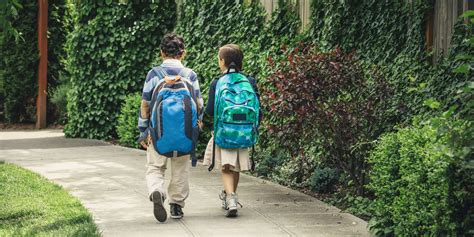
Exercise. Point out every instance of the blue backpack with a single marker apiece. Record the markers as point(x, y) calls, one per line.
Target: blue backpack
point(174, 116)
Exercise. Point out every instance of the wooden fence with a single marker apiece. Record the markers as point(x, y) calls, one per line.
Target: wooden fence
point(303, 7)
point(440, 23)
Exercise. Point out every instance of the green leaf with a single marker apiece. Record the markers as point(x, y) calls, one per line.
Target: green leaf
point(431, 103)
point(469, 13)
point(463, 68)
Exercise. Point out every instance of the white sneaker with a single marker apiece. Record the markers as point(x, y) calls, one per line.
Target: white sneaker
point(232, 202)
point(223, 197)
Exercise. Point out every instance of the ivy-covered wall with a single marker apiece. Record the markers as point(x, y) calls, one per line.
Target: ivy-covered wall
point(240, 23)
point(389, 35)
point(109, 53)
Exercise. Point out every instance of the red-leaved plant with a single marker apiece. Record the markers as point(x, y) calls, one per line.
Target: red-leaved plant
point(325, 99)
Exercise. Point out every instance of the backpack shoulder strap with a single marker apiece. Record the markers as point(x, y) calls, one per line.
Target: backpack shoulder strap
point(186, 73)
point(160, 72)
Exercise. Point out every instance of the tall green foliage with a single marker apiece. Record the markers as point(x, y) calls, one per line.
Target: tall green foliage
point(127, 121)
point(205, 31)
point(9, 11)
point(387, 34)
point(240, 23)
point(60, 24)
point(422, 178)
point(109, 52)
point(19, 65)
point(18, 80)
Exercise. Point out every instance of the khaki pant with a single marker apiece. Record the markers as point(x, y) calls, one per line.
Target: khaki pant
point(178, 189)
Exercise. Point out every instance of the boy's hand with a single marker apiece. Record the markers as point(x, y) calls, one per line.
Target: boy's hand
point(200, 124)
point(144, 139)
point(144, 145)
point(145, 142)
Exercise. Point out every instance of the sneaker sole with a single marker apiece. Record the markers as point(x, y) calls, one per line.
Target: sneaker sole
point(231, 213)
point(158, 209)
point(176, 217)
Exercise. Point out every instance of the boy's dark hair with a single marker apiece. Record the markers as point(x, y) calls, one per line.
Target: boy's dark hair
point(172, 45)
point(232, 55)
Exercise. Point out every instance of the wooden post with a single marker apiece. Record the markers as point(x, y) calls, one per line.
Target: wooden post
point(429, 29)
point(465, 8)
point(43, 63)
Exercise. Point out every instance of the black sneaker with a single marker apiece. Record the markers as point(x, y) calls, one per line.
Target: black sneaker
point(175, 211)
point(158, 209)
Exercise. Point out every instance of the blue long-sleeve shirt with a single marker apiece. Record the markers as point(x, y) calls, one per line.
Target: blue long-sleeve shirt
point(172, 67)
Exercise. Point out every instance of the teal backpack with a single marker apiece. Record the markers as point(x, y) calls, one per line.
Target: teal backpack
point(236, 113)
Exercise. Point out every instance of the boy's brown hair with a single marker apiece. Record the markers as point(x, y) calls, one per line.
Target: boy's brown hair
point(172, 45)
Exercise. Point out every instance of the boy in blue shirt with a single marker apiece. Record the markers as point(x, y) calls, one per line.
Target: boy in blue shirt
point(172, 52)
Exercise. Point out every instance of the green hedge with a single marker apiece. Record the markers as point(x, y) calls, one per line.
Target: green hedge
point(422, 178)
point(60, 25)
point(127, 121)
point(18, 66)
point(18, 80)
point(109, 53)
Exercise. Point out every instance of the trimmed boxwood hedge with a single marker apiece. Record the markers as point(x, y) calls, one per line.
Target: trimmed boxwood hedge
point(127, 121)
point(423, 178)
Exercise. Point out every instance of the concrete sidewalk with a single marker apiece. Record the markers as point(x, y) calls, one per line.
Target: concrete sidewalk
point(110, 182)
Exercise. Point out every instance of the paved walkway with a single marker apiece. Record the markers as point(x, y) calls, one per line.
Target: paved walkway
point(110, 182)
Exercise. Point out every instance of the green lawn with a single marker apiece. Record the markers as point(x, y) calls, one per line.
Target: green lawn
point(30, 205)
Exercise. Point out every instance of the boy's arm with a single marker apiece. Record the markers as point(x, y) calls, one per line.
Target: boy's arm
point(144, 113)
point(197, 92)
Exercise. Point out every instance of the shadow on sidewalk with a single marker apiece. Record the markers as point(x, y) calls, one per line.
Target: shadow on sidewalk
point(48, 143)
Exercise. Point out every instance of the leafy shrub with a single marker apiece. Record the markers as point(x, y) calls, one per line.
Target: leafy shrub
point(269, 163)
point(360, 206)
point(293, 173)
point(387, 35)
point(327, 100)
point(19, 64)
point(324, 179)
point(8, 12)
point(59, 26)
point(19, 80)
point(127, 121)
point(422, 178)
point(452, 83)
point(59, 99)
point(109, 52)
